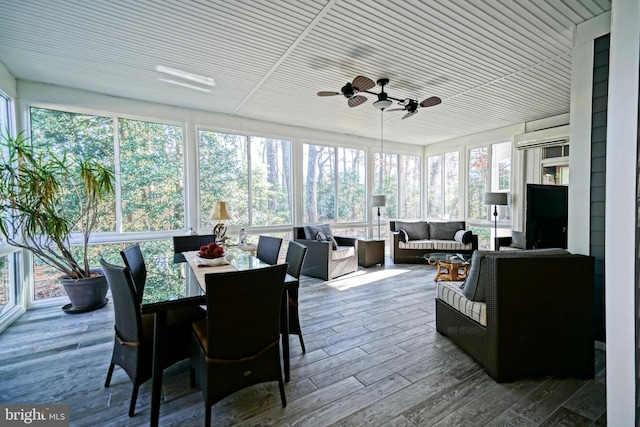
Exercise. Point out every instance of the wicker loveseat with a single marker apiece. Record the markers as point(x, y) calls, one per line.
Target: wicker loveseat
point(537, 317)
point(425, 237)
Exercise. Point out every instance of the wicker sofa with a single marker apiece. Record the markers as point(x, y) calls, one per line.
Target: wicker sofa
point(427, 237)
point(537, 317)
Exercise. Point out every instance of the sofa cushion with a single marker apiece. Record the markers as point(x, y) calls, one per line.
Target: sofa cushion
point(416, 230)
point(451, 293)
point(416, 244)
point(474, 285)
point(444, 230)
point(451, 245)
point(463, 236)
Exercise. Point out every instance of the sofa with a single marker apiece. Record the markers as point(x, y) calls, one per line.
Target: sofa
point(524, 313)
point(328, 256)
point(516, 242)
point(413, 239)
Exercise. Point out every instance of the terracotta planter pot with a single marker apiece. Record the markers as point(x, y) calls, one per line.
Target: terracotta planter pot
point(86, 294)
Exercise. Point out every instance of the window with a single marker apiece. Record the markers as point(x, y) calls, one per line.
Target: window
point(151, 171)
point(443, 186)
point(334, 184)
point(9, 281)
point(245, 172)
point(398, 176)
point(489, 171)
point(478, 185)
point(148, 160)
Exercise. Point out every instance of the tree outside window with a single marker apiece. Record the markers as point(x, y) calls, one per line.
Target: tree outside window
point(252, 174)
point(334, 184)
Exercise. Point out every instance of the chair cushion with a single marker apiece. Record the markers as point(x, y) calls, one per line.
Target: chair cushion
point(416, 230)
point(343, 252)
point(444, 230)
point(320, 232)
point(475, 283)
point(451, 293)
point(200, 329)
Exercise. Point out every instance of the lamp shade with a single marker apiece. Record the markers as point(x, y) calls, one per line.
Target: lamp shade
point(220, 211)
point(378, 200)
point(499, 199)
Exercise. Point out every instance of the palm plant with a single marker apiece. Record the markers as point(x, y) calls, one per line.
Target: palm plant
point(45, 197)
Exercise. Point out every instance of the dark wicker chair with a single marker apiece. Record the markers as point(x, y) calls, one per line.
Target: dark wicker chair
point(295, 257)
point(540, 318)
point(269, 249)
point(189, 243)
point(237, 345)
point(321, 262)
point(134, 260)
point(133, 342)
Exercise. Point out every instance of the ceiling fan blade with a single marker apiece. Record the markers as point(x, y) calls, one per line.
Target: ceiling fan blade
point(356, 100)
point(396, 109)
point(430, 102)
point(409, 114)
point(362, 83)
point(327, 93)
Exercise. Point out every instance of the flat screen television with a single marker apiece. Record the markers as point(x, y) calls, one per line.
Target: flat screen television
point(547, 216)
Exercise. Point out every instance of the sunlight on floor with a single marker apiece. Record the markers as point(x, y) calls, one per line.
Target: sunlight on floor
point(360, 278)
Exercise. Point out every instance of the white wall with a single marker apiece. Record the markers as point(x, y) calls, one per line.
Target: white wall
point(7, 82)
point(620, 210)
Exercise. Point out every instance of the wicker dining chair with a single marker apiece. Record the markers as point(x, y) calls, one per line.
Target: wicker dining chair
point(295, 258)
point(237, 345)
point(134, 260)
point(133, 342)
point(269, 249)
point(190, 243)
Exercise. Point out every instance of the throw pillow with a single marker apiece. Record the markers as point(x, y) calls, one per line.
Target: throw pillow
point(403, 236)
point(463, 236)
point(416, 230)
point(333, 242)
point(320, 236)
point(519, 239)
point(444, 230)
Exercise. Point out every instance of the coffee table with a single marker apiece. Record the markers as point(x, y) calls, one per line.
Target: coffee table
point(451, 267)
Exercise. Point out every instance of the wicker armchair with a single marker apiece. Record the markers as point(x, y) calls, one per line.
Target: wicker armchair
point(323, 261)
point(237, 345)
point(539, 318)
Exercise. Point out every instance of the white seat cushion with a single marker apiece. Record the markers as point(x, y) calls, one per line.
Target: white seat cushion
point(416, 244)
point(343, 252)
point(451, 293)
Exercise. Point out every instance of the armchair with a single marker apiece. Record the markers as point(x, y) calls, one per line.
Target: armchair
point(325, 262)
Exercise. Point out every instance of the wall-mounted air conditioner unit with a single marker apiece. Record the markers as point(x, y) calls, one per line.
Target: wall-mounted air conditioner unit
point(540, 138)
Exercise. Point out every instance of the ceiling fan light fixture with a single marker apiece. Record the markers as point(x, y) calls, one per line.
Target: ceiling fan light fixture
point(382, 104)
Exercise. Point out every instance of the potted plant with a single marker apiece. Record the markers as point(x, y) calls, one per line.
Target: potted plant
point(46, 197)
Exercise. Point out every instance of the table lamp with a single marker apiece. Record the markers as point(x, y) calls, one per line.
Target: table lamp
point(219, 214)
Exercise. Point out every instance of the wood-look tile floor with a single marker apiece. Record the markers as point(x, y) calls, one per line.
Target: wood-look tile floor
point(373, 358)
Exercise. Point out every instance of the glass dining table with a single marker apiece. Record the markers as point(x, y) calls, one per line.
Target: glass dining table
point(163, 297)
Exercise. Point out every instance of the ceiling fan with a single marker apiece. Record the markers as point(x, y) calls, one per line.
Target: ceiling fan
point(362, 84)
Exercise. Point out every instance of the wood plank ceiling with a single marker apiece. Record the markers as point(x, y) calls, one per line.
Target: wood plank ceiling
point(494, 63)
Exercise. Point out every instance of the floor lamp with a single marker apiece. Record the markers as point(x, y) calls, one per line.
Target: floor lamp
point(495, 199)
point(378, 201)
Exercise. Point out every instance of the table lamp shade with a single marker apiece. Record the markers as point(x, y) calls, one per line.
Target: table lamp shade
point(378, 200)
point(220, 211)
point(499, 199)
